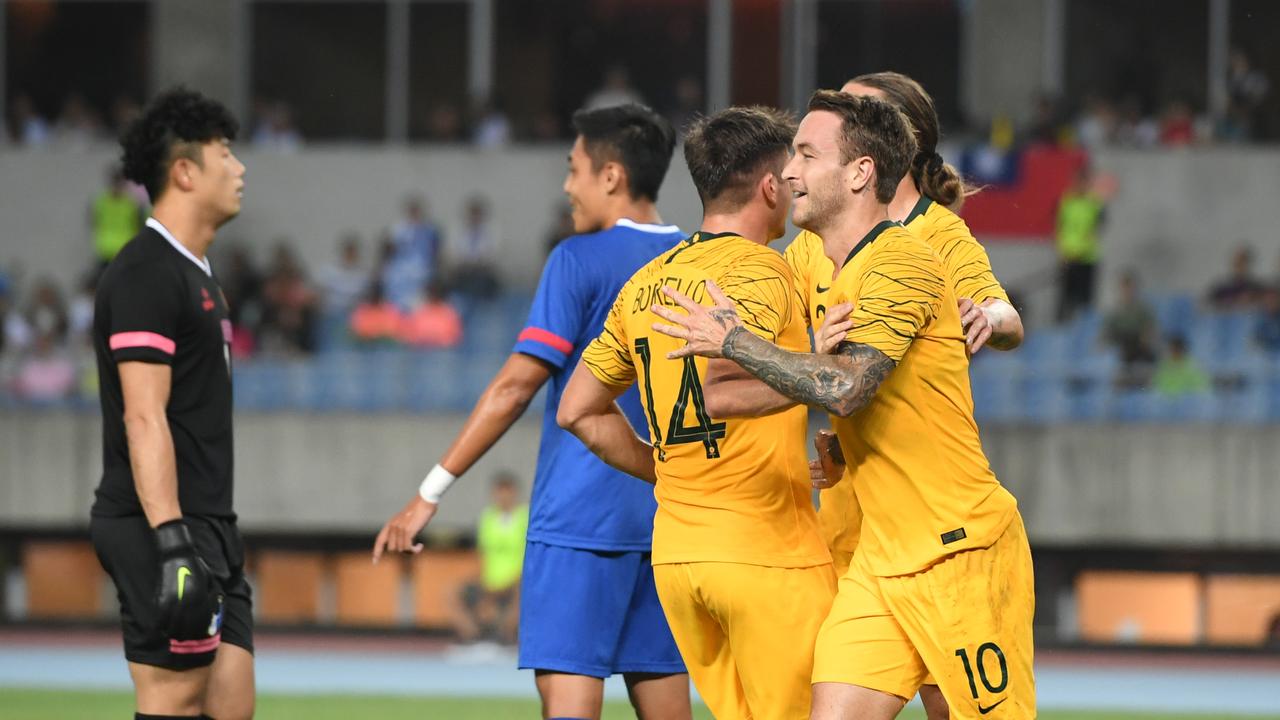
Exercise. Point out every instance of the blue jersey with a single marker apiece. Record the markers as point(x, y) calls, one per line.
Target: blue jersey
point(578, 501)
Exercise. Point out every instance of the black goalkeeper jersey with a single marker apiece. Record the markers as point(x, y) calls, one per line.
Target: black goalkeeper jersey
point(156, 304)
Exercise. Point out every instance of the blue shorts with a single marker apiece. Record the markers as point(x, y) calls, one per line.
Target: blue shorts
point(592, 612)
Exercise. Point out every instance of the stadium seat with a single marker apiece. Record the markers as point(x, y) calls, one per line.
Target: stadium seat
point(49, 566)
point(1175, 313)
point(438, 577)
point(288, 586)
point(367, 594)
point(1241, 608)
point(1139, 607)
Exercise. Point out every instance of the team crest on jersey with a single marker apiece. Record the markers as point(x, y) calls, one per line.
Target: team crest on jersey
point(206, 301)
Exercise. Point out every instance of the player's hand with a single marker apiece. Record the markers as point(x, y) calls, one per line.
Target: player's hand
point(835, 325)
point(188, 596)
point(976, 325)
point(830, 463)
point(703, 329)
point(401, 531)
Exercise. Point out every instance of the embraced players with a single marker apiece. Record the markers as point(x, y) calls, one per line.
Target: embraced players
point(941, 581)
point(923, 202)
point(588, 607)
point(744, 576)
point(162, 522)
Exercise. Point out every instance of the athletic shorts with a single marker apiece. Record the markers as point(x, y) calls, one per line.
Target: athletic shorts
point(966, 620)
point(592, 612)
point(747, 633)
point(126, 547)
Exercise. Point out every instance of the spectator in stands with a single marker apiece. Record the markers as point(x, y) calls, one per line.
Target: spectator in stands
point(1248, 88)
point(492, 128)
point(288, 308)
point(47, 374)
point(46, 313)
point(377, 320)
point(444, 122)
point(476, 276)
point(1130, 327)
point(1178, 374)
point(561, 226)
point(616, 90)
point(115, 216)
point(1267, 329)
point(434, 322)
point(1097, 126)
point(1046, 124)
point(80, 311)
point(14, 332)
point(1241, 290)
point(1081, 212)
point(689, 103)
point(1136, 130)
point(343, 283)
point(275, 130)
point(242, 284)
point(490, 606)
point(415, 259)
point(27, 126)
point(79, 125)
point(1177, 125)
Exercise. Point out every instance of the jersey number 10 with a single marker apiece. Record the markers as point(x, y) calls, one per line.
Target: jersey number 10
point(705, 432)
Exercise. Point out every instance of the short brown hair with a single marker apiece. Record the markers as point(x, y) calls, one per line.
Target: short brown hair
point(937, 180)
point(727, 151)
point(874, 128)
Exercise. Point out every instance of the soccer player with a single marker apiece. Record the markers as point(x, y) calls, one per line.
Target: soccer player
point(744, 577)
point(162, 522)
point(923, 202)
point(588, 608)
point(941, 582)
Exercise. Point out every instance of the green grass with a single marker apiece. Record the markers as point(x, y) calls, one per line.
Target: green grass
point(76, 705)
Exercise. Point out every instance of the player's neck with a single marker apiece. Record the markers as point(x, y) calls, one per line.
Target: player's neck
point(849, 227)
point(638, 211)
point(743, 224)
point(905, 199)
point(186, 226)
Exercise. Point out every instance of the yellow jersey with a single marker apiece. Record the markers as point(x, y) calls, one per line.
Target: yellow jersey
point(964, 259)
point(919, 474)
point(733, 490)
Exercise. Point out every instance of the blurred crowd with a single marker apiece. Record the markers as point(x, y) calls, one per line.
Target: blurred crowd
point(404, 286)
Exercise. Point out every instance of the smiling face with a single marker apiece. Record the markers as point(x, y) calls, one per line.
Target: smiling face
point(587, 188)
point(816, 171)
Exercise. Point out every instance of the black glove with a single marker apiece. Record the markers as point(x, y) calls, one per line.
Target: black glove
point(189, 597)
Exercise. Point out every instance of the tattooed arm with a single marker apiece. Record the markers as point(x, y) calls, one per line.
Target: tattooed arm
point(842, 384)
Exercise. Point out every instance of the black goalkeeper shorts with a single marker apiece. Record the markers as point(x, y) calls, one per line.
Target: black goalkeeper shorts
point(126, 547)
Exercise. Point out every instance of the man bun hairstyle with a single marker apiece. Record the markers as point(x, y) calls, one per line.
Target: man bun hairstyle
point(936, 179)
point(175, 124)
point(633, 135)
point(874, 128)
point(728, 151)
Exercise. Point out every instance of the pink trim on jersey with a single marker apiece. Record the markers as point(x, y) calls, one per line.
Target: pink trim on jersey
point(195, 647)
point(547, 338)
point(143, 339)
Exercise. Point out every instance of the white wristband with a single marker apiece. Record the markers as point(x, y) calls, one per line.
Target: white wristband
point(435, 484)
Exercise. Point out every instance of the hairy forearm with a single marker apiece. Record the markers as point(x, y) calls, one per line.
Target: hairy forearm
point(1006, 324)
point(610, 436)
point(842, 384)
point(155, 467)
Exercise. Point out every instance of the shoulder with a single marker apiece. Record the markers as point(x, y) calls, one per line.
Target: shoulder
point(903, 247)
point(147, 258)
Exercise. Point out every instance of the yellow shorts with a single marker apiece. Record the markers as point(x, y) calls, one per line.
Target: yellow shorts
point(746, 633)
point(966, 620)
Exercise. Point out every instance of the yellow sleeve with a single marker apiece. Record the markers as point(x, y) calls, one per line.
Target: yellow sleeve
point(608, 357)
point(967, 265)
point(899, 292)
point(763, 291)
point(799, 257)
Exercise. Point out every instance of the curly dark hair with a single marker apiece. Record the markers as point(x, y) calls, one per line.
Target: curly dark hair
point(633, 135)
point(874, 128)
point(174, 125)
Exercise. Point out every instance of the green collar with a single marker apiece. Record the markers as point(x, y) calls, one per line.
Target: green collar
point(871, 236)
point(921, 207)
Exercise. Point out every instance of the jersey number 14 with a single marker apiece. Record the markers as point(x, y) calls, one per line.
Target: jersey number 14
point(705, 432)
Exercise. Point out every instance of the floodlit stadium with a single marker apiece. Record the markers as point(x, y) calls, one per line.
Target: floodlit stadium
point(667, 359)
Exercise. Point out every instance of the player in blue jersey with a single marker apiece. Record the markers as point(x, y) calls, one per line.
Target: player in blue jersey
point(588, 607)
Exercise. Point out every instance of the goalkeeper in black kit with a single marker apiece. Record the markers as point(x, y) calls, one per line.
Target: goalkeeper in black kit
point(162, 521)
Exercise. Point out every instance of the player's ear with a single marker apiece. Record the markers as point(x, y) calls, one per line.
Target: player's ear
point(615, 177)
point(180, 174)
point(860, 174)
point(770, 188)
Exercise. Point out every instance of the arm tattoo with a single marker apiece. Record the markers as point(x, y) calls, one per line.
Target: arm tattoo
point(842, 383)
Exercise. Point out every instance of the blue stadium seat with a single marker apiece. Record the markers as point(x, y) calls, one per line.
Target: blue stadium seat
point(1175, 313)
